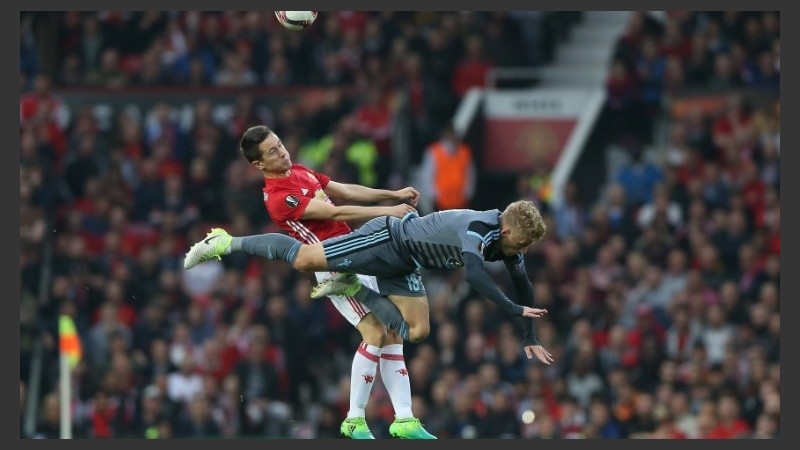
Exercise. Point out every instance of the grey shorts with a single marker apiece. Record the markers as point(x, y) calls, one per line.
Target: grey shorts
point(371, 250)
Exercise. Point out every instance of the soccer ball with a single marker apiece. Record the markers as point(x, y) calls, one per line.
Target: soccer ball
point(296, 20)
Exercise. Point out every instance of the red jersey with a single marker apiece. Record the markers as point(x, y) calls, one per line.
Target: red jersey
point(287, 198)
point(729, 431)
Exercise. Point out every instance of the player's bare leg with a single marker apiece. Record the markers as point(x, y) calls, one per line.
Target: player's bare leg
point(416, 312)
point(311, 258)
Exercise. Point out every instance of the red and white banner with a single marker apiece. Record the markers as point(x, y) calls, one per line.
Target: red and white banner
point(530, 128)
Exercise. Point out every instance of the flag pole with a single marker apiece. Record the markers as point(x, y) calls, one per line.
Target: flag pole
point(65, 396)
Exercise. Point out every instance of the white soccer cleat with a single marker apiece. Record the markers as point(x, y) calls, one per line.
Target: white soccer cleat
point(339, 284)
point(213, 246)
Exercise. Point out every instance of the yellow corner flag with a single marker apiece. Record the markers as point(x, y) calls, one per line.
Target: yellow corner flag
point(69, 344)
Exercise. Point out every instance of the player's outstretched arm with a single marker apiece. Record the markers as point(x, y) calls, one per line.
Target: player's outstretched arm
point(480, 280)
point(524, 293)
point(356, 193)
point(319, 210)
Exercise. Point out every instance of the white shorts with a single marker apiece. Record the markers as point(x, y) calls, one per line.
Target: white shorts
point(350, 308)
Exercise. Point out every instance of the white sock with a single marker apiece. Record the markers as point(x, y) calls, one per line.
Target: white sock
point(395, 378)
point(362, 377)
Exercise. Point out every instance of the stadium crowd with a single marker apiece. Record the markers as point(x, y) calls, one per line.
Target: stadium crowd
point(663, 295)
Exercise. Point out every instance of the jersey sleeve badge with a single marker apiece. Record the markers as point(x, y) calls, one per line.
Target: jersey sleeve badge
point(292, 201)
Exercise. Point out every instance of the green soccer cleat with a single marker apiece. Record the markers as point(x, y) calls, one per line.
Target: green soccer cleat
point(337, 284)
point(355, 428)
point(213, 246)
point(409, 428)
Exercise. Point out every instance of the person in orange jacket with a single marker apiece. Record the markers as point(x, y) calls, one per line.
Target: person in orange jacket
point(449, 170)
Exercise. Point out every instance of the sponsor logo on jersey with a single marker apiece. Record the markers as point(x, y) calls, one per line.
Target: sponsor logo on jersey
point(345, 263)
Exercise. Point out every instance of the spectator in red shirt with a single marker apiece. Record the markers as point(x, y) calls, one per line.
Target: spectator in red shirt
point(734, 126)
point(646, 324)
point(753, 191)
point(730, 424)
point(374, 119)
point(42, 99)
point(352, 20)
point(45, 114)
point(102, 417)
point(674, 42)
point(472, 70)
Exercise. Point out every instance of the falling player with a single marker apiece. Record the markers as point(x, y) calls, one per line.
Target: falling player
point(394, 250)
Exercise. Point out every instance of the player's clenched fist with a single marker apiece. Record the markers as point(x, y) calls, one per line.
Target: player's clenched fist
point(408, 194)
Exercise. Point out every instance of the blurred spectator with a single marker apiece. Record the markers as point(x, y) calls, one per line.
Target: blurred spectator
point(602, 424)
point(730, 425)
point(766, 428)
point(344, 153)
point(41, 104)
point(571, 215)
point(235, 73)
point(639, 177)
point(373, 120)
point(258, 378)
point(623, 96)
point(582, 383)
point(49, 427)
point(473, 68)
point(501, 421)
point(184, 385)
point(197, 422)
point(651, 71)
point(660, 208)
point(430, 103)
point(28, 59)
point(449, 168)
point(699, 61)
point(108, 323)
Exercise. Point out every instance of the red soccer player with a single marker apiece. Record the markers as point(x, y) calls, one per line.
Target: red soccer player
point(298, 200)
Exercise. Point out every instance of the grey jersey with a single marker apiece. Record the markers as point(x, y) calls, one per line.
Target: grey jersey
point(436, 240)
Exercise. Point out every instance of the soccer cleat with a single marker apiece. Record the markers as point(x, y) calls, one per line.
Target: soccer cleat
point(409, 428)
point(355, 428)
point(213, 246)
point(338, 284)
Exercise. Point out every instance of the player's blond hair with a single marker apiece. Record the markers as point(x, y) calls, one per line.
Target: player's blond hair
point(525, 217)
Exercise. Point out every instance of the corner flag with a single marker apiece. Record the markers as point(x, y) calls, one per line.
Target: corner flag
point(69, 344)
